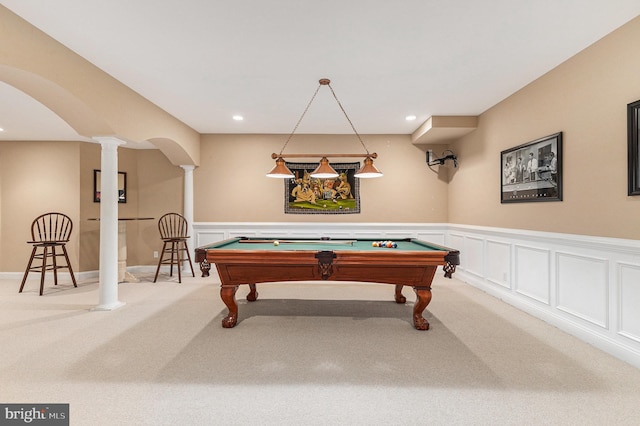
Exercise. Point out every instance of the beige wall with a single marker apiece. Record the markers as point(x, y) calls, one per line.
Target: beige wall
point(37, 177)
point(230, 185)
point(154, 187)
point(586, 99)
point(160, 191)
point(90, 229)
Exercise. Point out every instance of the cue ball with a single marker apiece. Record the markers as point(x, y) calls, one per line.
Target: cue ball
point(276, 243)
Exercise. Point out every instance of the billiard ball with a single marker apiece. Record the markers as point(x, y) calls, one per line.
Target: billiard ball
point(276, 243)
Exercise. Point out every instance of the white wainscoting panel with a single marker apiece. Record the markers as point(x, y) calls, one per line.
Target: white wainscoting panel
point(474, 261)
point(583, 287)
point(498, 259)
point(208, 236)
point(533, 272)
point(629, 300)
point(457, 241)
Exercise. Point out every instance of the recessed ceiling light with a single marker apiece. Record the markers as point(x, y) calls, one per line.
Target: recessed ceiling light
point(410, 117)
point(1, 129)
point(238, 117)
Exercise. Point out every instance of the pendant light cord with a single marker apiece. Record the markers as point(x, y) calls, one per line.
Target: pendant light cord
point(324, 82)
point(348, 119)
point(300, 120)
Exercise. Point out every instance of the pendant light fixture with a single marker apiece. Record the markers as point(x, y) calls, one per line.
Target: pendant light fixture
point(324, 169)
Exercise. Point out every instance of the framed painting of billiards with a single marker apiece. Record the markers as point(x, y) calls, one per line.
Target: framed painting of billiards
point(304, 194)
point(532, 172)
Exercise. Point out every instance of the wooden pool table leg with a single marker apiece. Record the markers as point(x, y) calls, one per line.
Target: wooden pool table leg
point(228, 295)
point(423, 298)
point(205, 267)
point(398, 296)
point(253, 293)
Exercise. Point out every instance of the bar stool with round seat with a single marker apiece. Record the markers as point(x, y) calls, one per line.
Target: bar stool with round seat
point(48, 232)
point(173, 232)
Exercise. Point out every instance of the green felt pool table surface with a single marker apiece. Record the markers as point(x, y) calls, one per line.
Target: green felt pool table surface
point(318, 244)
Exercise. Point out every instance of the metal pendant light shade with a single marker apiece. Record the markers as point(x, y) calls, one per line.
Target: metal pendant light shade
point(368, 170)
point(280, 170)
point(324, 170)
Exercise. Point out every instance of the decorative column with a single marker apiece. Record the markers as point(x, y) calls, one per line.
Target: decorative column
point(188, 207)
point(108, 284)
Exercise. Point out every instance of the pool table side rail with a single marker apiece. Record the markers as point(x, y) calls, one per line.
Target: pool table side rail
point(250, 266)
point(452, 257)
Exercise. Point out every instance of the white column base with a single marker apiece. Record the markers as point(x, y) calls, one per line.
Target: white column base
point(109, 307)
point(128, 277)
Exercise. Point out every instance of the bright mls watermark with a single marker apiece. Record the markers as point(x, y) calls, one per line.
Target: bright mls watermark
point(34, 414)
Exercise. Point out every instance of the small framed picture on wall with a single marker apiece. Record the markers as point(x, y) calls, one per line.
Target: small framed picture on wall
point(97, 186)
point(633, 129)
point(532, 172)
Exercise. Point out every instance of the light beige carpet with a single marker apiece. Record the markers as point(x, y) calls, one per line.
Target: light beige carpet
point(304, 353)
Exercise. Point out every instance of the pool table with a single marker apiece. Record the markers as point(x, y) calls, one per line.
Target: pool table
point(251, 260)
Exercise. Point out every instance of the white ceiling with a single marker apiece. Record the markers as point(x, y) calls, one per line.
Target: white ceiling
point(205, 60)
